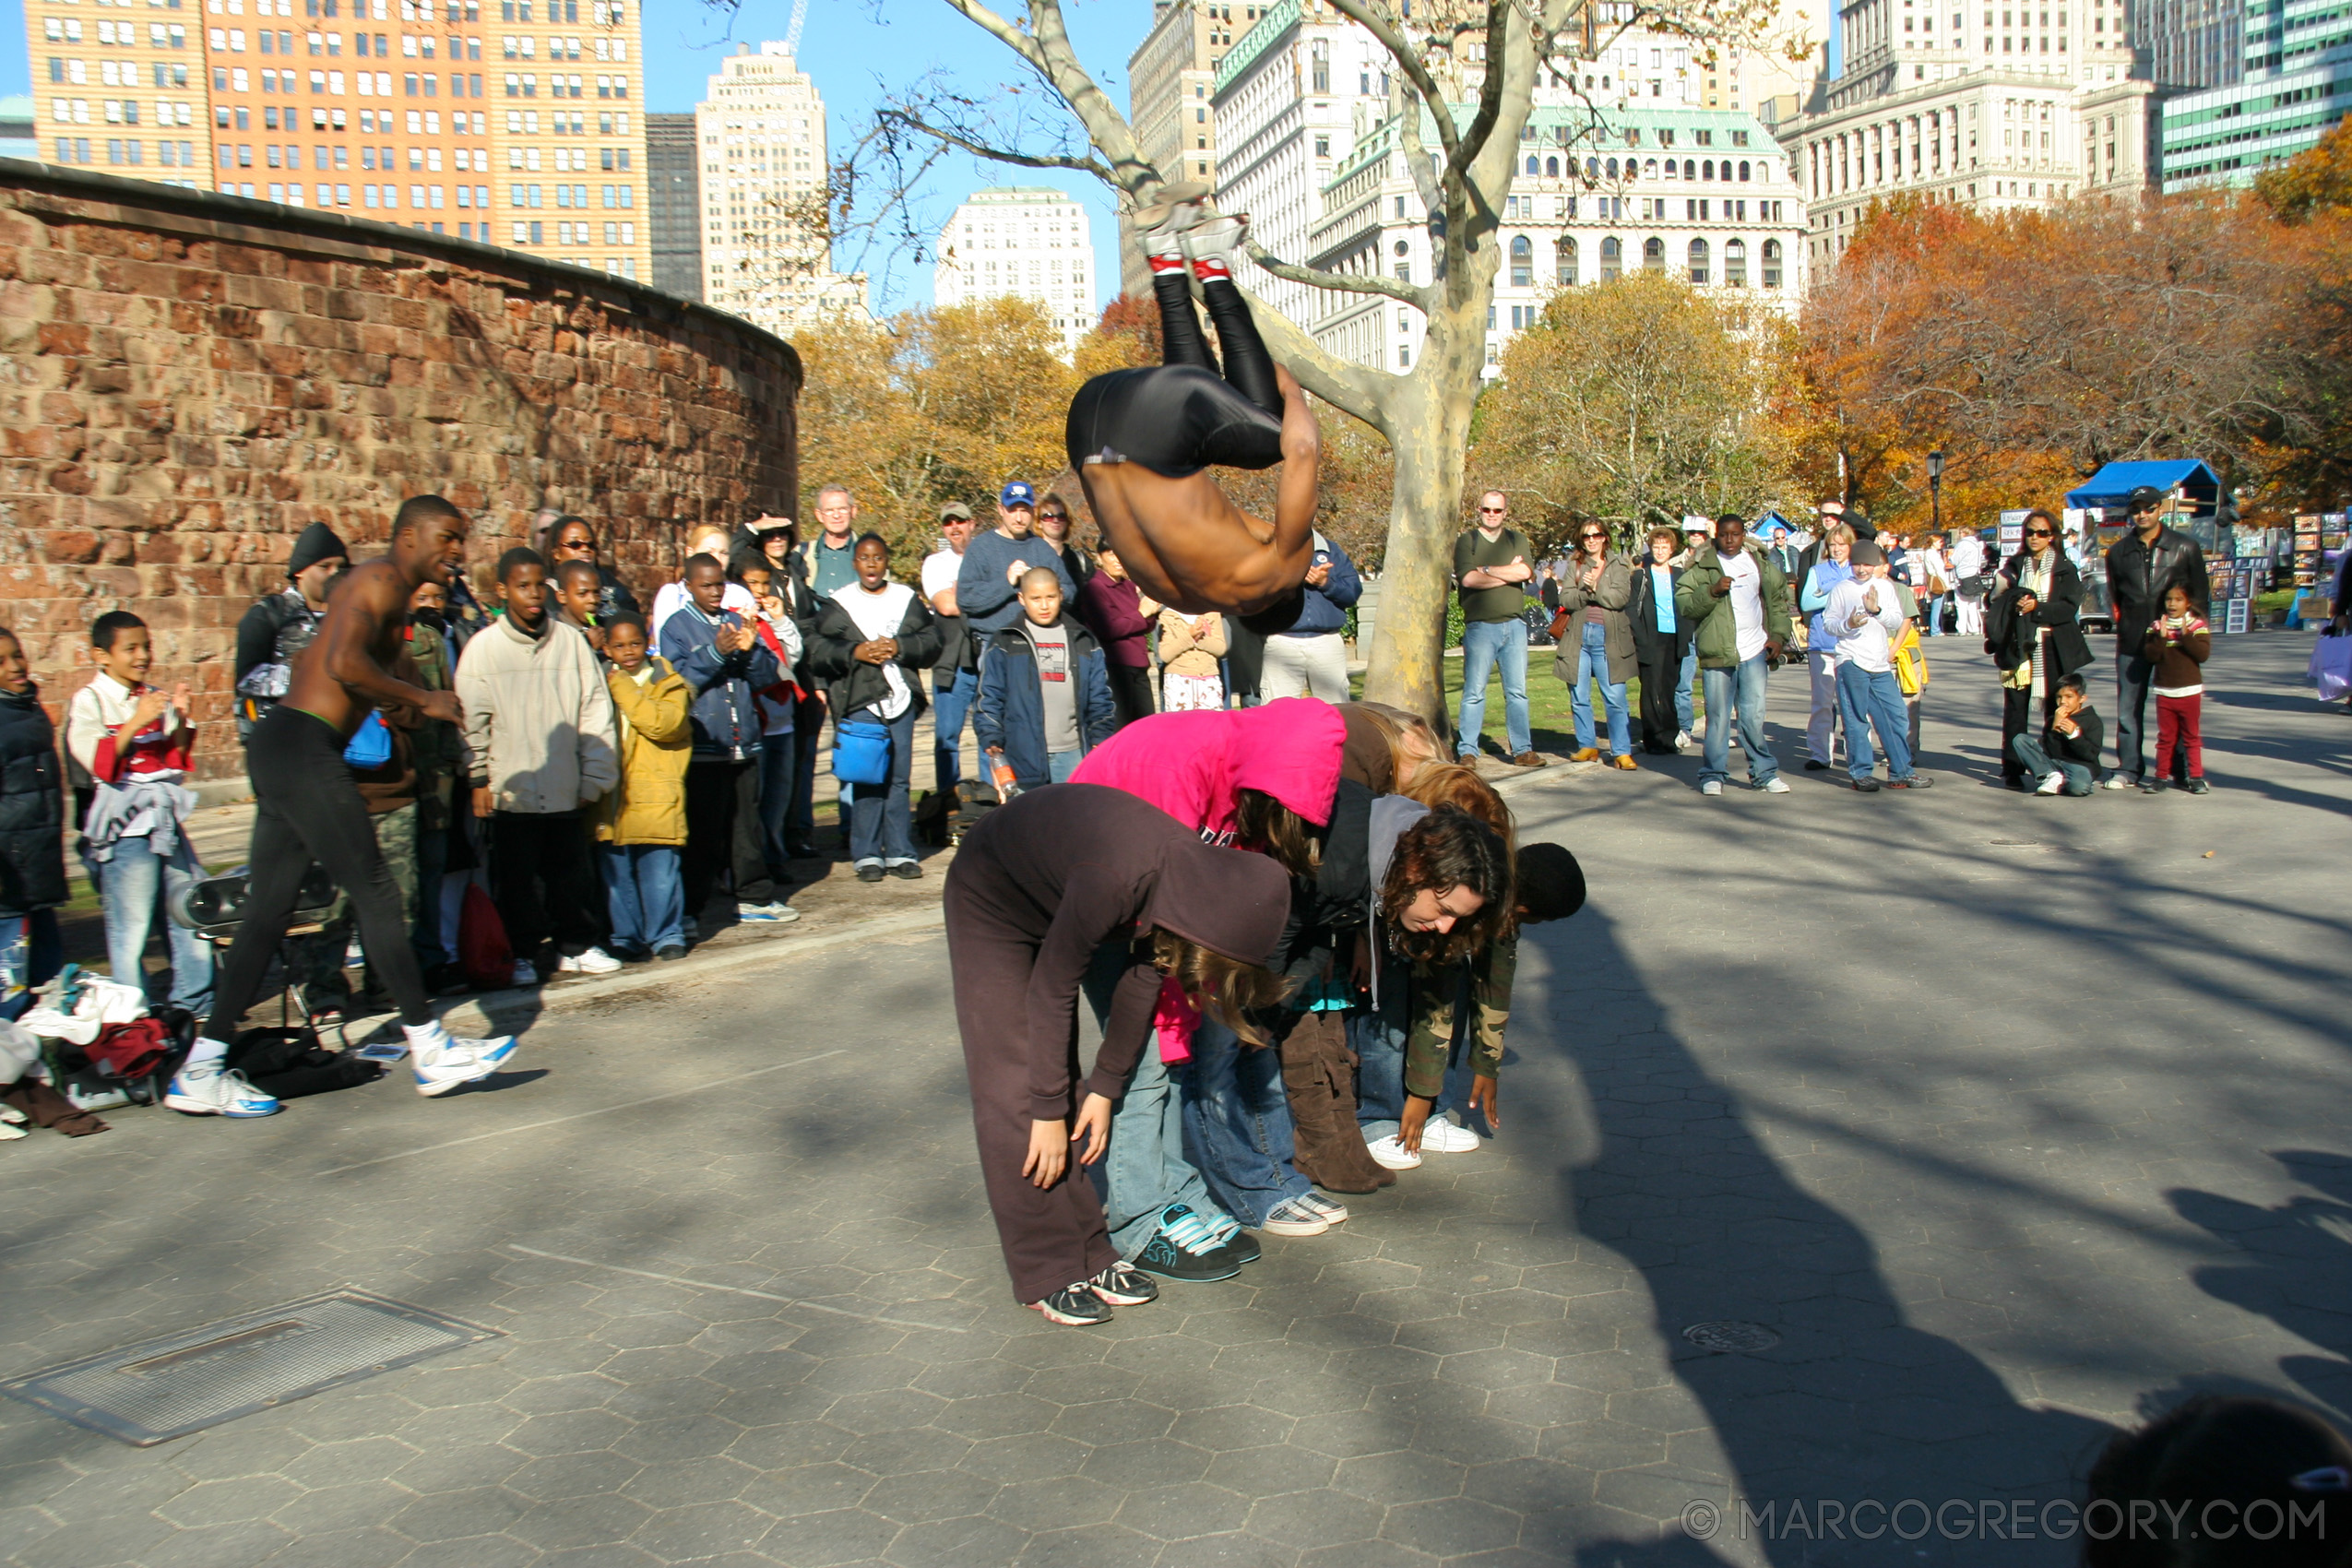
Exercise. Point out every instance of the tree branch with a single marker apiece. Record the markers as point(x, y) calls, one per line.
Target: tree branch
point(1094, 166)
point(1340, 282)
point(1408, 58)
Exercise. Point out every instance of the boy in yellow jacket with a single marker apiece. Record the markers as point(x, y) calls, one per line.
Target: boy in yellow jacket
point(644, 822)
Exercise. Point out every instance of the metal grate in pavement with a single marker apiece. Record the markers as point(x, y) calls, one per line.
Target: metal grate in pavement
point(164, 1388)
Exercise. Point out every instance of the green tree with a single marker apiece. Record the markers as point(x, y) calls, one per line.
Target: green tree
point(1637, 402)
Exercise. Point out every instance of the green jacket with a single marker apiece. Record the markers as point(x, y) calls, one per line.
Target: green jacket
point(1438, 992)
point(1714, 635)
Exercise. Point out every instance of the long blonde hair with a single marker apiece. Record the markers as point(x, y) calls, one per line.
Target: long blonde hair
point(1225, 988)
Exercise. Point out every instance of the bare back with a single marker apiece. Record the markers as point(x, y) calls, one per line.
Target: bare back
point(367, 616)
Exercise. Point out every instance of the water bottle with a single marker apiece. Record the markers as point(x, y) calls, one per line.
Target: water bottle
point(1000, 773)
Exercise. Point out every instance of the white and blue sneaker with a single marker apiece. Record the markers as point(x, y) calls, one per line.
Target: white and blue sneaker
point(446, 1064)
point(209, 1090)
point(776, 913)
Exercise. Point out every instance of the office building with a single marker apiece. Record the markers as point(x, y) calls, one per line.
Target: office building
point(1994, 106)
point(121, 91)
point(1026, 242)
point(1704, 194)
point(16, 128)
point(567, 146)
point(1168, 78)
point(766, 249)
point(2268, 78)
point(673, 202)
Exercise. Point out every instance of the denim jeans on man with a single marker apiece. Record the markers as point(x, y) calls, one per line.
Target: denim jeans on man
point(953, 701)
point(881, 823)
point(1236, 1124)
point(136, 885)
point(1484, 644)
point(1059, 766)
point(1378, 1041)
point(2039, 765)
point(1592, 664)
point(1868, 700)
point(643, 895)
point(2133, 675)
point(1145, 1170)
point(1683, 711)
point(1742, 688)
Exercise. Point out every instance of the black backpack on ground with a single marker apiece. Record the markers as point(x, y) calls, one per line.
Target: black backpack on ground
point(290, 1064)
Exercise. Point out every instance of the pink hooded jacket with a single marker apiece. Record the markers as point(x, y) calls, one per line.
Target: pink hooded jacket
point(1192, 764)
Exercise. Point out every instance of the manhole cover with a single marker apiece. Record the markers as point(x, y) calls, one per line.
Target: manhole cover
point(1732, 1339)
point(168, 1387)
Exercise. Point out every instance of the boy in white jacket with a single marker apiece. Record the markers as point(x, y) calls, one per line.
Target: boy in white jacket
point(541, 747)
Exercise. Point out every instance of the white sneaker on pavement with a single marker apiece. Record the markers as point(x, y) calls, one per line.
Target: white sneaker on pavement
point(523, 974)
point(1294, 1217)
point(2115, 781)
point(1712, 787)
point(1331, 1209)
point(211, 1090)
point(452, 1062)
point(1775, 784)
point(1440, 1136)
point(2052, 785)
point(775, 913)
point(595, 961)
point(1389, 1153)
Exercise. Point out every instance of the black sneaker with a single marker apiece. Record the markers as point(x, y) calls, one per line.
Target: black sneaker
point(870, 871)
point(906, 869)
point(1075, 1305)
point(669, 955)
point(1867, 786)
point(2199, 787)
point(1123, 1286)
point(1243, 1246)
point(1916, 781)
point(2152, 786)
point(1165, 1258)
point(1814, 764)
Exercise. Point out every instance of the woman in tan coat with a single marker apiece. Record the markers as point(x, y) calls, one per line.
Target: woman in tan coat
point(1190, 647)
point(643, 825)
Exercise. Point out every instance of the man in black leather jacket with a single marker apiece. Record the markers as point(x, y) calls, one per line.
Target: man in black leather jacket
point(2139, 567)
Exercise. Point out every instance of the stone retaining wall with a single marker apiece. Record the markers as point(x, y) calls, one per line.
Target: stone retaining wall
point(188, 380)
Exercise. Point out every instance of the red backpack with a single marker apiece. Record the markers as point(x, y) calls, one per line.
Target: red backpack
point(484, 951)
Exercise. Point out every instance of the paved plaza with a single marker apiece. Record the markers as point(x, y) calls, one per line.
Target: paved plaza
point(2006, 1119)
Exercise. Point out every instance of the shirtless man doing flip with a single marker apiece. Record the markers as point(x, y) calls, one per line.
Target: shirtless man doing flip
point(309, 810)
point(1141, 440)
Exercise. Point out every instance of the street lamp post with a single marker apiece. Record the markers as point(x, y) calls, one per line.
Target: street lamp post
point(1935, 487)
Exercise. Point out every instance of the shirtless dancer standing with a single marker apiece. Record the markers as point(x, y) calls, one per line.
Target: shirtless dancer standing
point(309, 811)
point(1142, 440)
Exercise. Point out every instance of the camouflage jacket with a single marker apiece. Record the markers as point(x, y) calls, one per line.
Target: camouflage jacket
point(1440, 994)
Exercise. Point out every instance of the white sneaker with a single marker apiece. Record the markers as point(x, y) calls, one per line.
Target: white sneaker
point(443, 1067)
point(2115, 781)
point(1682, 739)
point(1393, 1154)
point(1712, 787)
point(1775, 784)
point(1440, 1136)
point(1292, 1218)
point(523, 974)
point(2052, 785)
point(210, 1090)
point(773, 913)
point(1332, 1210)
point(595, 961)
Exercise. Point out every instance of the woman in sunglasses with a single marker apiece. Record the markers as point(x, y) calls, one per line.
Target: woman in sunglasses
point(2031, 632)
point(573, 539)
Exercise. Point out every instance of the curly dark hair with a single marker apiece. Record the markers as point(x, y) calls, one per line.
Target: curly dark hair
point(1445, 850)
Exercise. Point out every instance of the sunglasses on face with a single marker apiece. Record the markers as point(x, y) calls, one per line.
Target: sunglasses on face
point(2040, 533)
point(1057, 517)
point(1491, 511)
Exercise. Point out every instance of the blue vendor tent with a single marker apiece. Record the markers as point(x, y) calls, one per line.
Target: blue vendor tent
point(2113, 485)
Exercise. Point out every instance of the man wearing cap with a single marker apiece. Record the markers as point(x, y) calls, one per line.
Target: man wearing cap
point(986, 595)
point(826, 563)
point(2141, 566)
point(277, 628)
point(955, 679)
point(1865, 615)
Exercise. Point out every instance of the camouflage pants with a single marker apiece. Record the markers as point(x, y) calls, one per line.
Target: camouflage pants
point(318, 960)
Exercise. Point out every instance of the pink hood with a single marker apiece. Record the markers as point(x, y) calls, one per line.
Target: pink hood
point(1190, 765)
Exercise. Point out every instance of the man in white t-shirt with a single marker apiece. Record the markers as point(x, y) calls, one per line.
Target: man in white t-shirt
point(955, 679)
point(1866, 614)
point(1736, 602)
point(1968, 564)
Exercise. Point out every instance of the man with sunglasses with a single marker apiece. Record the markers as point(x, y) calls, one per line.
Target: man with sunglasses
point(2141, 565)
point(1492, 571)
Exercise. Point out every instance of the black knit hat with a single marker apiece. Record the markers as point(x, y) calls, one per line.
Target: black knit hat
point(317, 543)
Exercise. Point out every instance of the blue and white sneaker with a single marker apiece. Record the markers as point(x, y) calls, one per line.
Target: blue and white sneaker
point(450, 1062)
point(212, 1090)
point(775, 913)
point(1193, 1231)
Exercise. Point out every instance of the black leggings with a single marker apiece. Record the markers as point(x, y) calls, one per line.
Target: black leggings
point(1182, 416)
point(309, 810)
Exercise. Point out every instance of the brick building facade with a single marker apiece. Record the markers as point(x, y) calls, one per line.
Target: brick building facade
point(191, 379)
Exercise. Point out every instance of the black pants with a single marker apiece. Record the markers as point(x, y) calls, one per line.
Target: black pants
point(1182, 416)
point(723, 833)
point(308, 809)
point(1660, 722)
point(1131, 692)
point(539, 868)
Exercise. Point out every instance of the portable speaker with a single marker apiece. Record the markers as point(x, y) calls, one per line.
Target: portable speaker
point(214, 906)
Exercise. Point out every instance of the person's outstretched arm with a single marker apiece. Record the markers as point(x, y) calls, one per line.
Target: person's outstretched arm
point(1294, 502)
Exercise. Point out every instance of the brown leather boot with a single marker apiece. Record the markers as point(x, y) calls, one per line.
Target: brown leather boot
point(1318, 1072)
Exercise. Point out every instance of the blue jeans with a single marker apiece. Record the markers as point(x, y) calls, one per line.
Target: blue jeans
point(950, 705)
point(644, 895)
point(1873, 700)
point(135, 885)
point(1145, 1168)
point(1742, 688)
point(1684, 712)
point(1378, 1041)
point(31, 955)
point(1932, 612)
point(1484, 644)
point(808, 734)
point(1237, 1124)
point(1592, 664)
point(882, 822)
point(1059, 766)
point(779, 756)
point(2038, 766)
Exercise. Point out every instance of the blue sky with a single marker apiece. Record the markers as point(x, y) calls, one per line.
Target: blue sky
point(858, 51)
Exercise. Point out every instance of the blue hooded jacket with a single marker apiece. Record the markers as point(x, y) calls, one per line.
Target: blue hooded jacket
point(1325, 609)
point(1011, 710)
point(727, 720)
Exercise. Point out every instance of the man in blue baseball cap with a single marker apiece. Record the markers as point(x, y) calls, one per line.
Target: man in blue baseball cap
point(986, 590)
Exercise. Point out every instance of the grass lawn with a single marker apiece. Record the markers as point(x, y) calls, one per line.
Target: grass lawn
point(1547, 712)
